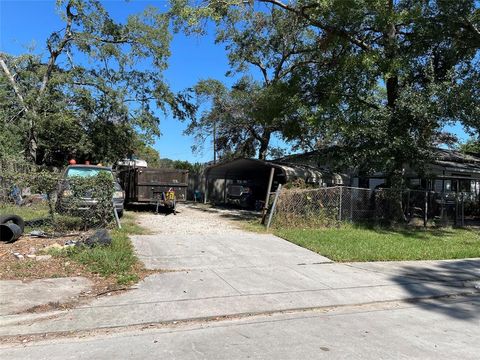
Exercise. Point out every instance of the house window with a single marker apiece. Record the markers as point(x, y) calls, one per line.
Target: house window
point(415, 182)
point(363, 182)
point(464, 185)
point(438, 186)
point(448, 185)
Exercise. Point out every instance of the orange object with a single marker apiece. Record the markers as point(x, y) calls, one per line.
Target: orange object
point(72, 161)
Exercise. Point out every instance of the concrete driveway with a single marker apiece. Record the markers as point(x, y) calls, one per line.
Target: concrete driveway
point(206, 238)
point(218, 270)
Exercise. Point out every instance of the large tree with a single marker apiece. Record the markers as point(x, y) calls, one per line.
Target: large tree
point(242, 119)
point(100, 79)
point(263, 49)
point(382, 77)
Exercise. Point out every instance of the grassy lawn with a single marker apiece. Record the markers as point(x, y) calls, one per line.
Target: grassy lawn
point(117, 260)
point(350, 243)
point(36, 211)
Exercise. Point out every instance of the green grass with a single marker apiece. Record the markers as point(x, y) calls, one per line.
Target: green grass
point(253, 226)
point(118, 259)
point(40, 212)
point(350, 243)
point(36, 211)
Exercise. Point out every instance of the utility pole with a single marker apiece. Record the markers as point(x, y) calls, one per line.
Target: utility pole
point(214, 141)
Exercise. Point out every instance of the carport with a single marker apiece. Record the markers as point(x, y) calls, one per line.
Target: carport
point(264, 174)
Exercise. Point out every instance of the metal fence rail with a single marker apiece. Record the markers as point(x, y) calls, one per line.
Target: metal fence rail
point(331, 205)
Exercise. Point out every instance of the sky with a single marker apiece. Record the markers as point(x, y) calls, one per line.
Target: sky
point(27, 23)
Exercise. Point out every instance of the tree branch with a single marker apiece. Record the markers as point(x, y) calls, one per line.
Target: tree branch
point(54, 53)
point(339, 32)
point(262, 69)
point(12, 81)
point(472, 27)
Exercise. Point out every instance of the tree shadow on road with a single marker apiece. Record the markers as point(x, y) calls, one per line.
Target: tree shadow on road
point(439, 279)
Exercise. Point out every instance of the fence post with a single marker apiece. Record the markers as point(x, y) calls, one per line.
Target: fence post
point(456, 208)
point(407, 208)
point(274, 205)
point(425, 218)
point(115, 214)
point(340, 206)
point(442, 200)
point(351, 204)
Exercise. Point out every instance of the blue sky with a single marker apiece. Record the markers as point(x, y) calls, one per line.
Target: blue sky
point(26, 23)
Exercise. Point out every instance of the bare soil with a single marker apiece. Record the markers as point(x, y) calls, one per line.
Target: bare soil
point(11, 268)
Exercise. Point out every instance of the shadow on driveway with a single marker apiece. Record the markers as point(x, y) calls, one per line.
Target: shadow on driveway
point(455, 275)
point(229, 212)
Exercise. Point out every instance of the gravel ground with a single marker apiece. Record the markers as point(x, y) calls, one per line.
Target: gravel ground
point(196, 219)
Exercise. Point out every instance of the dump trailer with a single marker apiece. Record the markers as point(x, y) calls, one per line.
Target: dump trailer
point(160, 187)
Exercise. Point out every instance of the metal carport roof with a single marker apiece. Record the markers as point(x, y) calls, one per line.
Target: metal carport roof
point(244, 168)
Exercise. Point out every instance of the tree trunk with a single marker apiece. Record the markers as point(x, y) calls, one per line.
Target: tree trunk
point(264, 142)
point(395, 173)
point(31, 145)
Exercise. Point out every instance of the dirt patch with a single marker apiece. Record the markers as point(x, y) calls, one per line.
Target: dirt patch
point(29, 269)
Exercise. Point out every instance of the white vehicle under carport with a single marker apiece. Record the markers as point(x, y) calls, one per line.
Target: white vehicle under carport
point(88, 200)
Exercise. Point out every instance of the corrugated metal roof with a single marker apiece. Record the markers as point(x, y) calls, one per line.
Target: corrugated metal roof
point(457, 161)
point(244, 167)
point(300, 166)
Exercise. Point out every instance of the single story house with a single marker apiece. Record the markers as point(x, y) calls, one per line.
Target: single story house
point(451, 170)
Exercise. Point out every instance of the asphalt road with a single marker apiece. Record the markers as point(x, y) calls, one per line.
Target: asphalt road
point(433, 329)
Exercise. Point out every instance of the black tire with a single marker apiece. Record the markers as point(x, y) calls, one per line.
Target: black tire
point(17, 220)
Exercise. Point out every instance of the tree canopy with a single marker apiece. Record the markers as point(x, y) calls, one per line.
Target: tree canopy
point(379, 78)
point(96, 93)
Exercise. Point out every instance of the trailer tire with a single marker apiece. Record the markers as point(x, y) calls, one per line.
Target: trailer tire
point(17, 220)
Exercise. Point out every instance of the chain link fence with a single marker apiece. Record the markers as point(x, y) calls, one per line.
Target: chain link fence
point(330, 206)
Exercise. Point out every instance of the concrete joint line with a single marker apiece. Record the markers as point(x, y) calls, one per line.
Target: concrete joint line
point(237, 316)
point(239, 293)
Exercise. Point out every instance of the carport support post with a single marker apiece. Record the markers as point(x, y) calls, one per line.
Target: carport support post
point(206, 191)
point(267, 197)
point(225, 188)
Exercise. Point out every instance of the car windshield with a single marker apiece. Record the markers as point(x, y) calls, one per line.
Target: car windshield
point(86, 172)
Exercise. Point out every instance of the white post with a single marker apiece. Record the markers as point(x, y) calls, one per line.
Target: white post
point(206, 191)
point(267, 197)
point(115, 214)
point(274, 205)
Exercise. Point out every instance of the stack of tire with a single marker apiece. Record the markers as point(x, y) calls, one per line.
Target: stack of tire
point(11, 228)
